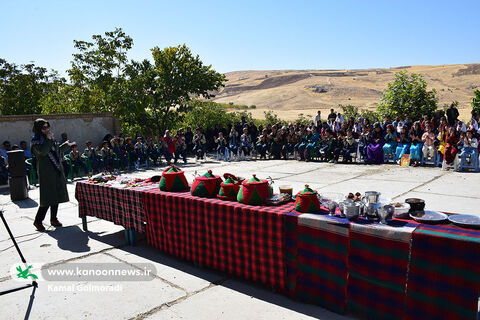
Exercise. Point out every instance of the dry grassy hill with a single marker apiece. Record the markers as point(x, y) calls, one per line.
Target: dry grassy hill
point(290, 92)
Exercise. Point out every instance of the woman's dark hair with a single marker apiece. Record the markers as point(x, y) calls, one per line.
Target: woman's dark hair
point(38, 125)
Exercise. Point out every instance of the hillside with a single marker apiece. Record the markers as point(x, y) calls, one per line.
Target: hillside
point(290, 92)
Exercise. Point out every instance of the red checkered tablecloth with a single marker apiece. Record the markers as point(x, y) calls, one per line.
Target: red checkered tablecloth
point(243, 240)
point(122, 206)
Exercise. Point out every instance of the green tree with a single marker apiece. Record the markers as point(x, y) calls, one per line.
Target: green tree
point(22, 87)
point(97, 69)
point(272, 118)
point(158, 95)
point(304, 119)
point(349, 111)
point(476, 101)
point(408, 94)
point(371, 115)
point(206, 114)
point(179, 77)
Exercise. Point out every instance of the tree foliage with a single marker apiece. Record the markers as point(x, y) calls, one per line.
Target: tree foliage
point(97, 69)
point(351, 111)
point(207, 114)
point(408, 94)
point(22, 87)
point(179, 76)
point(476, 101)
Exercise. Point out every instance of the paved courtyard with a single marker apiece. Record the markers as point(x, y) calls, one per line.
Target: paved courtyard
point(180, 290)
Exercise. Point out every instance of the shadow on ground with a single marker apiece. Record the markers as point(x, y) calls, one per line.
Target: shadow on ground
point(246, 287)
point(74, 239)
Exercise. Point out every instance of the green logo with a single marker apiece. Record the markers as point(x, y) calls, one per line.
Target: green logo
point(24, 274)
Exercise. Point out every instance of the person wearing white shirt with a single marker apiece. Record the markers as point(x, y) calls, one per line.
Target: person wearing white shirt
point(428, 139)
point(318, 119)
point(473, 124)
point(461, 127)
point(339, 120)
point(470, 145)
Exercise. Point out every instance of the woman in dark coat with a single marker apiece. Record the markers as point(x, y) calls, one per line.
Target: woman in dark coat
point(53, 189)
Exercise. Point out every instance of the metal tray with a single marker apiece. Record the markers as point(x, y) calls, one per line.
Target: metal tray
point(427, 216)
point(465, 220)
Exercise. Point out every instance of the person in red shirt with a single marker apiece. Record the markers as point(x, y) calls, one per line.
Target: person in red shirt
point(451, 149)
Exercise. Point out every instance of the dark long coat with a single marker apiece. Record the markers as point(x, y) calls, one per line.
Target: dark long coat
point(53, 188)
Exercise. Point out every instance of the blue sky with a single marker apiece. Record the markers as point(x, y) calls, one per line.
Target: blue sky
point(251, 35)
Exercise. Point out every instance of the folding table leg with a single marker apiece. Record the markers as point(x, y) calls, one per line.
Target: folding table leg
point(133, 238)
point(84, 223)
point(127, 236)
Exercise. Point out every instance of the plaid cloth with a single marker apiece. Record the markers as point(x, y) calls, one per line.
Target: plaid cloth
point(122, 206)
point(291, 251)
point(444, 276)
point(243, 240)
point(378, 266)
point(317, 267)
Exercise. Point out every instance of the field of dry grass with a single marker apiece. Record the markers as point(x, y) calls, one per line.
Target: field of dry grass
point(290, 92)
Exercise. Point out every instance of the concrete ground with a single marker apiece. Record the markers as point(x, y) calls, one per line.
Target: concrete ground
point(179, 290)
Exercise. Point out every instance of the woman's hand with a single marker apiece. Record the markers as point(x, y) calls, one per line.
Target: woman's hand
point(71, 143)
point(49, 135)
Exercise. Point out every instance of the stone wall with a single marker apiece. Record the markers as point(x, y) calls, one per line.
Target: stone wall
point(79, 127)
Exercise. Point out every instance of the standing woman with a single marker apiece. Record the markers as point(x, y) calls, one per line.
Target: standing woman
point(53, 189)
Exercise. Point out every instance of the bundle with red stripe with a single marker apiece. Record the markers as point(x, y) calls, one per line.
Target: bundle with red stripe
point(206, 186)
point(254, 191)
point(444, 273)
point(317, 254)
point(378, 266)
point(173, 179)
point(307, 200)
point(229, 188)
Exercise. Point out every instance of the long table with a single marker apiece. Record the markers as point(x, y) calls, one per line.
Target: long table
point(404, 270)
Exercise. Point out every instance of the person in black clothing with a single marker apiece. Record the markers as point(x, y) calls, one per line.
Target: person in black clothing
point(332, 116)
point(452, 115)
point(189, 140)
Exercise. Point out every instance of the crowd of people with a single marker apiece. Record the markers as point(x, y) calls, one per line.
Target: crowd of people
point(442, 137)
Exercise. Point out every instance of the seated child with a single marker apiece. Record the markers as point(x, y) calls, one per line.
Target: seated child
point(221, 143)
point(141, 151)
point(470, 145)
point(91, 154)
point(107, 156)
point(180, 146)
point(349, 146)
point(233, 141)
point(199, 144)
point(246, 142)
point(263, 144)
point(76, 159)
point(152, 152)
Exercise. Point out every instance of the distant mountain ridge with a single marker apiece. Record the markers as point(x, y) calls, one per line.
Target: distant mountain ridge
point(290, 92)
